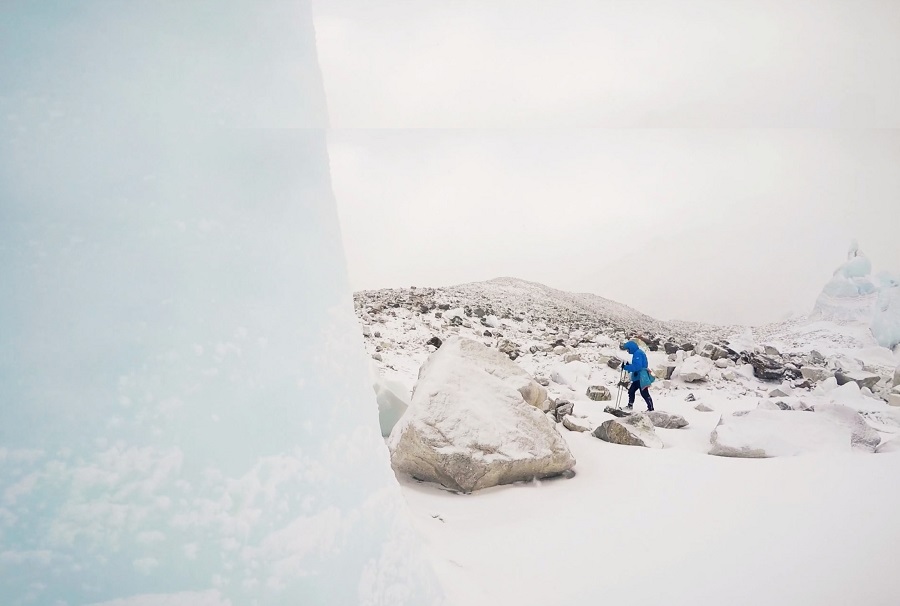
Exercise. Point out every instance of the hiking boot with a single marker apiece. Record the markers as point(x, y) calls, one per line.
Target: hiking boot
point(649, 410)
point(629, 407)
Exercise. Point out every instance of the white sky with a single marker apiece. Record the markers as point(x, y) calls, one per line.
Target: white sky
point(707, 216)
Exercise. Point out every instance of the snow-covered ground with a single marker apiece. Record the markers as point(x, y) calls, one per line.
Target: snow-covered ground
point(644, 526)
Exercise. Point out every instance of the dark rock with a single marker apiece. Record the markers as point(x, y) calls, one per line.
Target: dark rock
point(690, 398)
point(487, 333)
point(687, 346)
point(434, 341)
point(766, 367)
point(614, 363)
point(671, 348)
point(456, 321)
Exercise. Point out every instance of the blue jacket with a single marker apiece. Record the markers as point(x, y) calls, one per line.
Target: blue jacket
point(639, 367)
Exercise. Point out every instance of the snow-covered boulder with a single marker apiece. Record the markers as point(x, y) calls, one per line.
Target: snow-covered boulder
point(862, 436)
point(814, 373)
point(861, 378)
point(768, 433)
point(571, 374)
point(469, 427)
point(633, 430)
point(665, 420)
point(695, 368)
point(573, 423)
point(598, 393)
point(393, 400)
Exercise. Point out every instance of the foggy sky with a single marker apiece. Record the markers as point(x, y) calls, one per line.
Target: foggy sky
point(772, 146)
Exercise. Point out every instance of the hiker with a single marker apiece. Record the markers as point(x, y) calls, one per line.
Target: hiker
point(640, 375)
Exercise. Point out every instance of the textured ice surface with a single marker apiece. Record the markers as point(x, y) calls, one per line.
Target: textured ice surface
point(886, 316)
point(185, 414)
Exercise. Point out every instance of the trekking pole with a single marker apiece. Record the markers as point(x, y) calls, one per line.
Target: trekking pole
point(621, 380)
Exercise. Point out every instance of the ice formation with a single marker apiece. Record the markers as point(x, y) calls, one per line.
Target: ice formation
point(185, 414)
point(886, 315)
point(851, 293)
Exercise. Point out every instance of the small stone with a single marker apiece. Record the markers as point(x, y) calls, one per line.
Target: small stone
point(703, 408)
point(690, 398)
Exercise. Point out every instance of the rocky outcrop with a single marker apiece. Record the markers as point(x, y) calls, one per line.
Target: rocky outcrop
point(469, 426)
point(633, 430)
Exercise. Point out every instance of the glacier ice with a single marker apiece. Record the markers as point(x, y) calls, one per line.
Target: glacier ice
point(850, 294)
point(186, 416)
point(886, 316)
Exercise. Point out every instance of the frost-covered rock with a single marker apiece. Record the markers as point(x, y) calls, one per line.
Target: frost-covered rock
point(768, 433)
point(598, 393)
point(886, 313)
point(393, 400)
point(695, 368)
point(703, 408)
point(469, 427)
point(633, 430)
point(573, 423)
point(814, 373)
point(665, 420)
point(862, 436)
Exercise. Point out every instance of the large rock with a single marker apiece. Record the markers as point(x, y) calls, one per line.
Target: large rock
point(769, 433)
point(712, 351)
point(598, 393)
point(469, 427)
point(861, 378)
point(695, 368)
point(633, 430)
point(766, 367)
point(897, 377)
point(664, 420)
point(862, 436)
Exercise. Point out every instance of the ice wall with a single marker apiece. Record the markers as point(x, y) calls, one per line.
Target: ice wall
point(185, 412)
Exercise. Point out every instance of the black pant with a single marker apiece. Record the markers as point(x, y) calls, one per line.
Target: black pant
point(645, 393)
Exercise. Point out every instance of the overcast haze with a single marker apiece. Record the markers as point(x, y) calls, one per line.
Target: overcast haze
point(712, 216)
